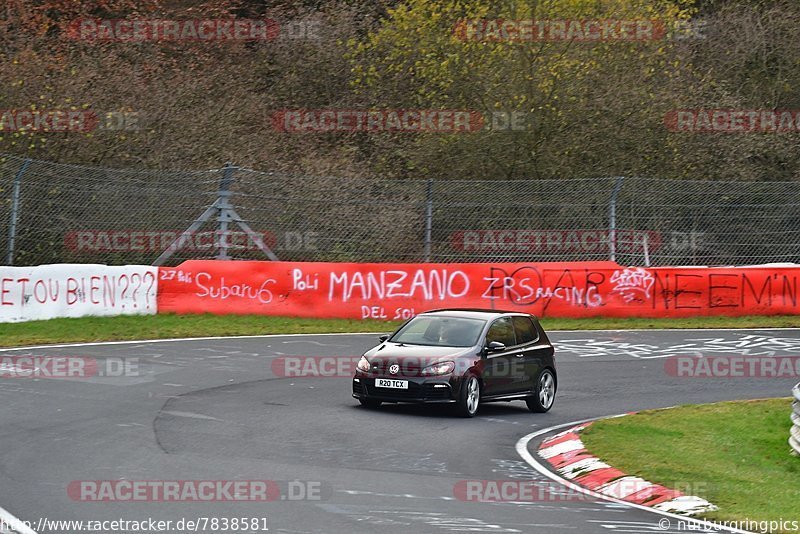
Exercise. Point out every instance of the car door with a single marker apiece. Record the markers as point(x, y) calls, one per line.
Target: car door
point(530, 353)
point(501, 367)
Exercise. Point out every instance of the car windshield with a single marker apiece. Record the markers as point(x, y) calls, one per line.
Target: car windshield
point(440, 331)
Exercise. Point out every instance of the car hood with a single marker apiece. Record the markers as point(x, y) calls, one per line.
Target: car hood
point(412, 357)
point(389, 350)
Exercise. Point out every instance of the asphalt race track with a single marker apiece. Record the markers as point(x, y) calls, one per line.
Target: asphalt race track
point(215, 410)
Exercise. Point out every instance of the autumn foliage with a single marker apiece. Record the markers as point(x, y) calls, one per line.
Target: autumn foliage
point(591, 107)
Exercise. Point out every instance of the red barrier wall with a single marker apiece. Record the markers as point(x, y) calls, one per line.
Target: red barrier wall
point(397, 291)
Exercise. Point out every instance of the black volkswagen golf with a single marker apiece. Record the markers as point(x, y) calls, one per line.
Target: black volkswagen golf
point(463, 357)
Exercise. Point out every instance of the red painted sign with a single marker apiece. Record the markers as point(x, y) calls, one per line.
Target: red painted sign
point(399, 291)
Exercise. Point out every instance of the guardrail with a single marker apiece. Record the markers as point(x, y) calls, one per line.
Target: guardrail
point(794, 432)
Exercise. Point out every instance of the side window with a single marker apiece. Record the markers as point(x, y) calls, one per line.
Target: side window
point(502, 331)
point(525, 330)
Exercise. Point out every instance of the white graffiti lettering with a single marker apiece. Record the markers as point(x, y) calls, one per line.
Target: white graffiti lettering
point(510, 286)
point(431, 285)
point(223, 291)
point(633, 283)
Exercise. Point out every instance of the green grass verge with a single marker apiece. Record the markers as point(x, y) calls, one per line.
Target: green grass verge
point(733, 454)
point(168, 325)
point(161, 326)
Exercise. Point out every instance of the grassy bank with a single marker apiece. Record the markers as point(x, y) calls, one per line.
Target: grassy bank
point(168, 326)
point(734, 454)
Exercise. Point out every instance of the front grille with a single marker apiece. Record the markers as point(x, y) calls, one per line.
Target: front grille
point(406, 369)
point(414, 392)
point(358, 388)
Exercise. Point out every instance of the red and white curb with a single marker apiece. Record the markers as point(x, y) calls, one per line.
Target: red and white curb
point(566, 453)
point(11, 525)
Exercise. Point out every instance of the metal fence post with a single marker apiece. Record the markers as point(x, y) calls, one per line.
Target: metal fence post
point(794, 432)
point(224, 211)
point(12, 226)
point(428, 219)
point(612, 219)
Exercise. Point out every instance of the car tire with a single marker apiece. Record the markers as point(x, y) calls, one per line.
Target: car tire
point(369, 403)
point(469, 397)
point(545, 394)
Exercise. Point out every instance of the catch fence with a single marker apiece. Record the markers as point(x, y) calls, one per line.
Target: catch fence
point(67, 213)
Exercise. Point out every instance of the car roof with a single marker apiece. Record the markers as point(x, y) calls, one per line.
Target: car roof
point(474, 313)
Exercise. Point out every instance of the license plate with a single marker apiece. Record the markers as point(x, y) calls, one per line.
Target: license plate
point(387, 383)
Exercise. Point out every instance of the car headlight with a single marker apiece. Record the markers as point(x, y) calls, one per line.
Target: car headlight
point(363, 365)
point(441, 368)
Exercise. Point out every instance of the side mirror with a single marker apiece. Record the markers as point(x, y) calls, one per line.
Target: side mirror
point(495, 346)
point(383, 338)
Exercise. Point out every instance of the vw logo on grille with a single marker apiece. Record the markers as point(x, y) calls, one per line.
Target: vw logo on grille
point(394, 369)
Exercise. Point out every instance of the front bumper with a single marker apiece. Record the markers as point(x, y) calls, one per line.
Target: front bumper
point(434, 389)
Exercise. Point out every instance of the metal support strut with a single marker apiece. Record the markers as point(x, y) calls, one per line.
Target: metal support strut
point(225, 215)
